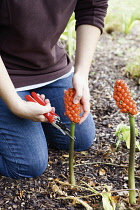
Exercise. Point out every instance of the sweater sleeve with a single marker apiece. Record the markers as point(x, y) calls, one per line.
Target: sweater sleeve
point(91, 12)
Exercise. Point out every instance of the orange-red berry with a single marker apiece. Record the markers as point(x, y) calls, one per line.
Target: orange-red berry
point(72, 110)
point(123, 98)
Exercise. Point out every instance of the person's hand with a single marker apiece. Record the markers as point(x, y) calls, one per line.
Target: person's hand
point(33, 111)
point(80, 84)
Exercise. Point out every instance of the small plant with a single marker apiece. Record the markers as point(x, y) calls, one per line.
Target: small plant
point(123, 134)
point(122, 17)
point(73, 112)
point(126, 104)
point(133, 68)
point(69, 35)
point(130, 20)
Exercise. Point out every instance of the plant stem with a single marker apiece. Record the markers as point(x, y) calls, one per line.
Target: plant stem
point(71, 154)
point(70, 43)
point(131, 178)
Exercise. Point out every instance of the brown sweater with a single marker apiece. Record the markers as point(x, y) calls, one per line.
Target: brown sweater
point(29, 33)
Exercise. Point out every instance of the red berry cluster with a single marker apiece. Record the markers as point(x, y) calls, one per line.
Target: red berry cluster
point(72, 110)
point(123, 98)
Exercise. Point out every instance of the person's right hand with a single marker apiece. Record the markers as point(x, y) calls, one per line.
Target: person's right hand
point(33, 111)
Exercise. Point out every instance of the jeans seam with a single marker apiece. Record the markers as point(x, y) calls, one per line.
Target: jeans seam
point(17, 165)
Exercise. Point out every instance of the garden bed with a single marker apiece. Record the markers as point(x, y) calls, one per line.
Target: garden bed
point(102, 166)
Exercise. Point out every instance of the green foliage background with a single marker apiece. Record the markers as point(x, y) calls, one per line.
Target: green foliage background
point(122, 15)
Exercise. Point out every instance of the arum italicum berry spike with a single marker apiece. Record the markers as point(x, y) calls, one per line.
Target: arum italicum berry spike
point(126, 104)
point(123, 98)
point(73, 112)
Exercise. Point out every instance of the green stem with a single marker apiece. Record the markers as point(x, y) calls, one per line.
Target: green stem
point(131, 178)
point(71, 154)
point(70, 43)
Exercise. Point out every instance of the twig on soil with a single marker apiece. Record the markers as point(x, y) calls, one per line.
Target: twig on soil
point(77, 201)
point(137, 177)
point(125, 166)
point(113, 191)
point(91, 189)
point(74, 186)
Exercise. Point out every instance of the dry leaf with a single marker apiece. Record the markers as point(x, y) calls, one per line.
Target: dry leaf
point(21, 193)
point(92, 184)
point(57, 190)
point(50, 179)
point(110, 125)
point(102, 172)
point(112, 148)
point(96, 206)
point(77, 201)
point(121, 206)
point(84, 153)
point(115, 199)
point(57, 180)
point(65, 156)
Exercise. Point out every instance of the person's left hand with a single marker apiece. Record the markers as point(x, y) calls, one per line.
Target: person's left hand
point(80, 84)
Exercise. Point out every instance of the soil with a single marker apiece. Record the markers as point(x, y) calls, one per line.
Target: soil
point(102, 167)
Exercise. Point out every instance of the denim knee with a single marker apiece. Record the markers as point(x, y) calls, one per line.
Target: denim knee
point(32, 168)
point(35, 168)
point(85, 144)
point(85, 135)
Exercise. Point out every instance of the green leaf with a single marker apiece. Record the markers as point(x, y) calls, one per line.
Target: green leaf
point(108, 203)
point(69, 35)
point(126, 137)
point(138, 145)
point(123, 134)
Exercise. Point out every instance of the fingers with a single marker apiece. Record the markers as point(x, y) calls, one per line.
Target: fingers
point(83, 118)
point(86, 111)
point(77, 96)
point(82, 95)
point(43, 118)
point(40, 118)
point(47, 101)
point(53, 109)
point(42, 96)
point(47, 108)
point(36, 111)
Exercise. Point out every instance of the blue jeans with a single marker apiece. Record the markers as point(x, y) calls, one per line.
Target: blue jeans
point(24, 143)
